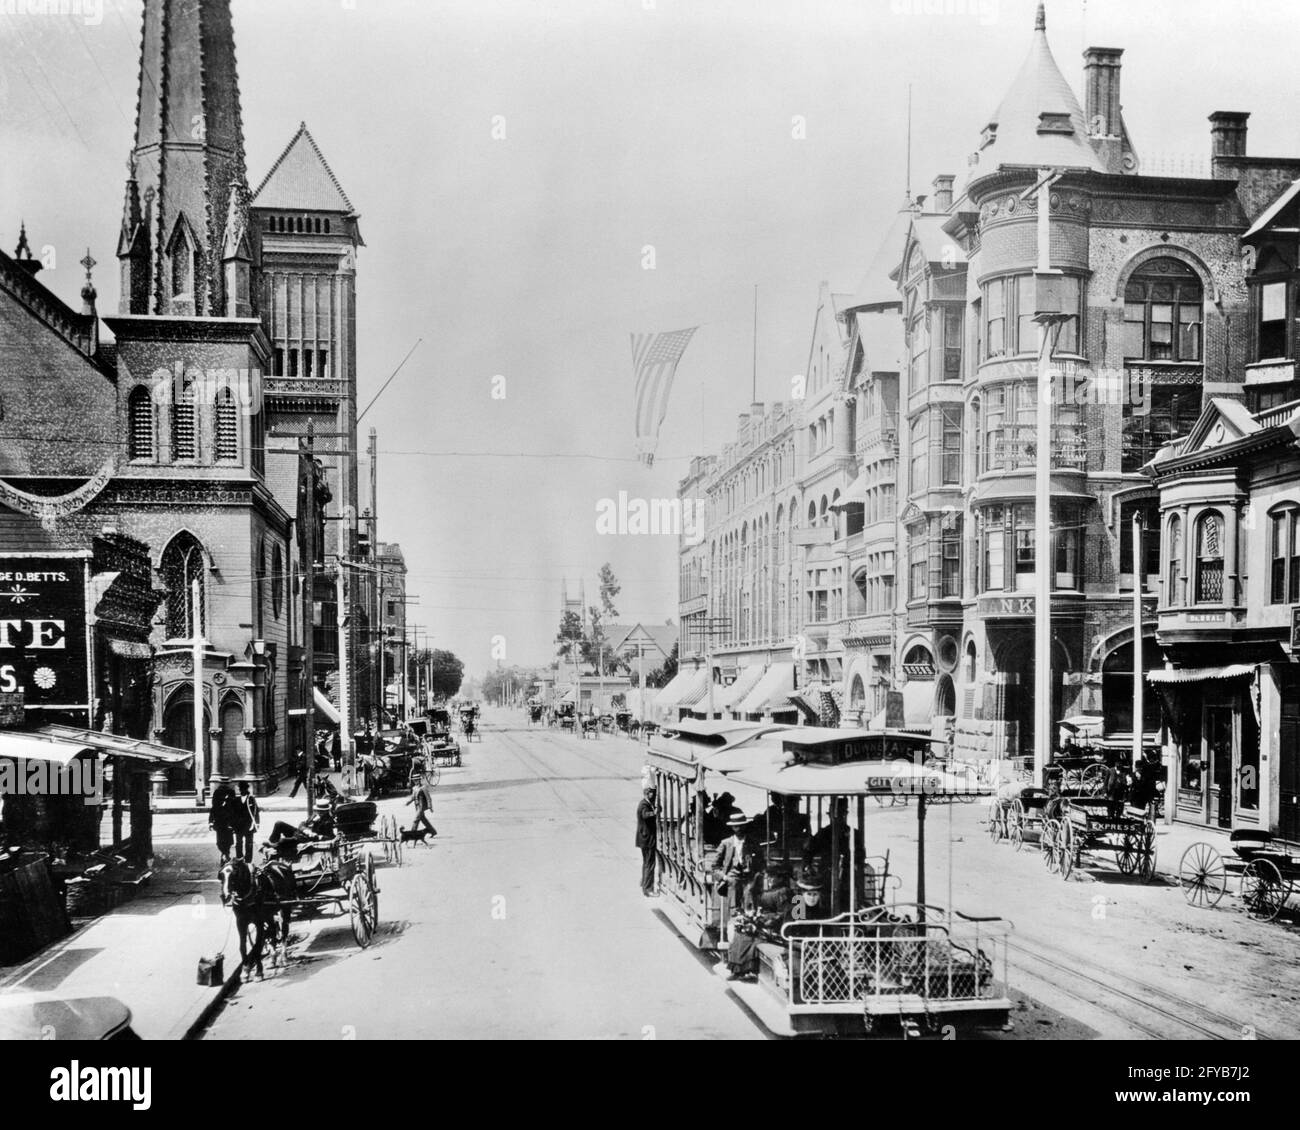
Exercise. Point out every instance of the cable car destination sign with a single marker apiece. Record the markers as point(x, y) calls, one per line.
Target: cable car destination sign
point(43, 632)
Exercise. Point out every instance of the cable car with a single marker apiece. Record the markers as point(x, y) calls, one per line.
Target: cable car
point(837, 952)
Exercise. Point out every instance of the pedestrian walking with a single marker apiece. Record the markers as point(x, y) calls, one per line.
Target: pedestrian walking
point(300, 769)
point(221, 813)
point(423, 804)
point(647, 820)
point(336, 752)
point(245, 818)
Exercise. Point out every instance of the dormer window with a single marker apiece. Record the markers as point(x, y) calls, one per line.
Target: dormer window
point(1051, 121)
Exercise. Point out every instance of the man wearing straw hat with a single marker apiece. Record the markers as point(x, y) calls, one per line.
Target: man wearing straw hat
point(731, 868)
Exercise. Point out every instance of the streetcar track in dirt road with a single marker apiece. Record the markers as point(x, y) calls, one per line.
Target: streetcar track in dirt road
point(1070, 972)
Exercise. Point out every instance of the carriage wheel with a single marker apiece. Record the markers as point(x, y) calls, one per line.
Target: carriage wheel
point(432, 777)
point(1072, 779)
point(1263, 889)
point(1127, 855)
point(1067, 850)
point(370, 870)
point(363, 906)
point(996, 829)
point(1203, 876)
point(1016, 821)
point(1093, 780)
point(1147, 855)
point(1047, 845)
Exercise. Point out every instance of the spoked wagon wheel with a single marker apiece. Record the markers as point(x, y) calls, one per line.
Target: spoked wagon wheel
point(1263, 889)
point(996, 828)
point(432, 776)
point(1067, 849)
point(1048, 847)
point(1127, 856)
point(363, 906)
point(1016, 825)
point(1093, 780)
point(1203, 876)
point(1146, 860)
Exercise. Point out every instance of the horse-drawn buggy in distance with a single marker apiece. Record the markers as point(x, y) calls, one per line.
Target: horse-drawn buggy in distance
point(325, 862)
point(440, 746)
point(535, 710)
point(566, 716)
point(469, 722)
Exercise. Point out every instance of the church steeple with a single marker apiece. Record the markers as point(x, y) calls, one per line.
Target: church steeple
point(187, 159)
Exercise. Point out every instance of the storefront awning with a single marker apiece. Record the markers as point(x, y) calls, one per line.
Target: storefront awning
point(697, 691)
point(918, 699)
point(35, 747)
point(745, 682)
point(679, 686)
point(118, 745)
point(324, 706)
point(1201, 674)
point(770, 693)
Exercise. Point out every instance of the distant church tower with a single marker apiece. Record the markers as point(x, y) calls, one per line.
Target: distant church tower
point(184, 247)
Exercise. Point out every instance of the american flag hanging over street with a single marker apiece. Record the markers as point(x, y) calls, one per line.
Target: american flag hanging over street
point(654, 360)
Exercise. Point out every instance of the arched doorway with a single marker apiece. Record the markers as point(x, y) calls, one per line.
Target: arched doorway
point(945, 698)
point(178, 724)
point(857, 698)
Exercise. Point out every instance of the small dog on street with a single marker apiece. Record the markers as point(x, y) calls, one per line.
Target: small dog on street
point(412, 835)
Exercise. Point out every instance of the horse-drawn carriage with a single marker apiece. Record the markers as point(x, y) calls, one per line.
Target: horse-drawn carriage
point(1267, 875)
point(308, 875)
point(566, 715)
point(391, 763)
point(469, 722)
point(1096, 824)
point(535, 710)
point(440, 747)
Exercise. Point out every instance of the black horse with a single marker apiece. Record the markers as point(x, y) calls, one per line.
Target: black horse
point(241, 891)
point(276, 891)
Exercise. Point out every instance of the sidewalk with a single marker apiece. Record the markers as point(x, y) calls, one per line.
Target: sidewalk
point(146, 952)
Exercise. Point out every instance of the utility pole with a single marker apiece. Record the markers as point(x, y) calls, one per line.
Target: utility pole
point(340, 597)
point(1139, 704)
point(196, 658)
point(308, 548)
point(1048, 315)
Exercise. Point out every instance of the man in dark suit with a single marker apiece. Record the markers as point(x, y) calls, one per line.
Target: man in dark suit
point(647, 820)
point(221, 814)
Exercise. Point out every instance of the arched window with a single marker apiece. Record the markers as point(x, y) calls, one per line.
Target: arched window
point(1209, 558)
point(227, 425)
point(185, 440)
point(139, 413)
point(1175, 594)
point(1163, 311)
point(182, 565)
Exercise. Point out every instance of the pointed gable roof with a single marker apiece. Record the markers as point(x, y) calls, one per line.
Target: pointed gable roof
point(1040, 88)
point(876, 287)
point(302, 179)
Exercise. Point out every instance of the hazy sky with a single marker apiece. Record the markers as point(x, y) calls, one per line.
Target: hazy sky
point(627, 123)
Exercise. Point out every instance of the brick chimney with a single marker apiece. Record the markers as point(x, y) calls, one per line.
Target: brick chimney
point(1101, 74)
point(943, 192)
point(1228, 133)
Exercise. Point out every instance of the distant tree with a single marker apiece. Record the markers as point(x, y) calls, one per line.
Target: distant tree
point(609, 589)
point(663, 675)
point(446, 673)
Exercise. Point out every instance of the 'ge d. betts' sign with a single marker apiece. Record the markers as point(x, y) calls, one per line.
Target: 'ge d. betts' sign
point(43, 630)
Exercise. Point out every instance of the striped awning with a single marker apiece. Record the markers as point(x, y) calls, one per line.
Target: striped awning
point(1201, 674)
point(770, 693)
point(745, 682)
